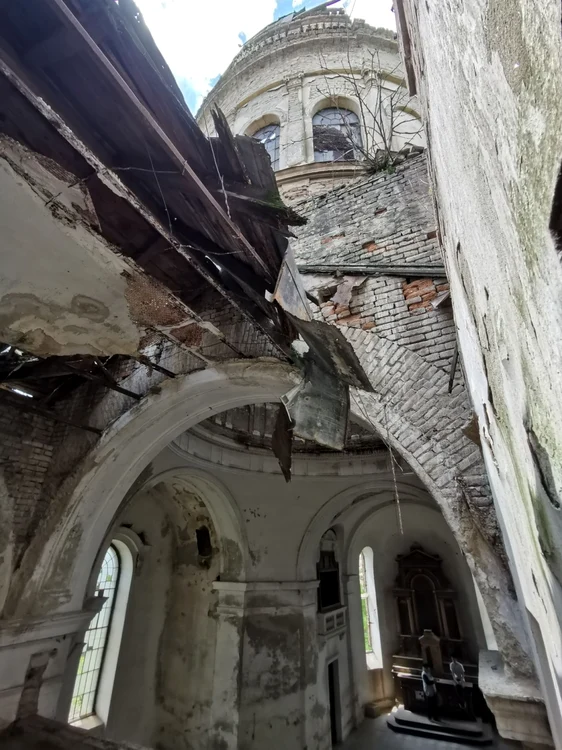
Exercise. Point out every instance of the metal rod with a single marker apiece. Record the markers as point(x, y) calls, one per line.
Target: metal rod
point(453, 366)
point(101, 381)
point(376, 270)
point(149, 363)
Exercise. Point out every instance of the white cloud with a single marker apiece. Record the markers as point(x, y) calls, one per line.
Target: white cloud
point(374, 12)
point(199, 38)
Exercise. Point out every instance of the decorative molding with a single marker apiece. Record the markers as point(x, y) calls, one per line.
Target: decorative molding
point(25, 630)
point(206, 450)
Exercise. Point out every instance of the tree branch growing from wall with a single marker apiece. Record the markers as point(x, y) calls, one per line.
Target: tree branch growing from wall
point(389, 126)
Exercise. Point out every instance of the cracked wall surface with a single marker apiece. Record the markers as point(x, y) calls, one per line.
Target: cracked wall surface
point(489, 77)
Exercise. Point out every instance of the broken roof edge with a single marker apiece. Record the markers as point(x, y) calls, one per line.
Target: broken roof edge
point(116, 185)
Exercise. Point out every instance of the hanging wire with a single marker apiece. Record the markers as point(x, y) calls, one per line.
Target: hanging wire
point(359, 401)
point(219, 173)
point(396, 493)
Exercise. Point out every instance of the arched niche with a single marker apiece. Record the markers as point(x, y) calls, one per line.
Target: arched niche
point(190, 536)
point(228, 524)
point(372, 494)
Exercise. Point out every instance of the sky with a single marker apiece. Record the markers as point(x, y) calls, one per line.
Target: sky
point(199, 38)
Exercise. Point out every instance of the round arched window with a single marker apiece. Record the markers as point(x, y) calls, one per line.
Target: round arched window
point(337, 135)
point(269, 136)
point(95, 640)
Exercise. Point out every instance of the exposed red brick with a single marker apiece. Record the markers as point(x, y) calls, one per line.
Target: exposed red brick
point(432, 235)
point(418, 306)
point(380, 211)
point(429, 295)
point(368, 326)
point(327, 240)
point(442, 287)
point(370, 246)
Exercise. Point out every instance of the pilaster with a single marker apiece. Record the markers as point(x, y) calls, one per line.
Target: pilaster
point(295, 145)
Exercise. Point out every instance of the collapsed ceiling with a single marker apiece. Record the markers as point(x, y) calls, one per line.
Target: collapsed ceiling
point(193, 221)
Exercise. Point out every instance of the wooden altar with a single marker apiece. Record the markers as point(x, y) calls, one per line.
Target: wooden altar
point(430, 631)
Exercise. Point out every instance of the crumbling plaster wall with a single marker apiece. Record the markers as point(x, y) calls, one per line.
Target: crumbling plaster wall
point(280, 76)
point(490, 78)
point(165, 672)
point(63, 290)
point(283, 660)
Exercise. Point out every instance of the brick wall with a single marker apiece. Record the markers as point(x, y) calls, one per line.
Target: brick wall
point(26, 448)
point(388, 219)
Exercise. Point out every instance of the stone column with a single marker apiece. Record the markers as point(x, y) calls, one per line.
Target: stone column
point(225, 713)
point(278, 703)
point(294, 142)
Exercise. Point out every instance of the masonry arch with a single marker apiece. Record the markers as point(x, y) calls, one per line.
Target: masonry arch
point(55, 571)
point(270, 118)
point(336, 100)
point(53, 574)
point(373, 494)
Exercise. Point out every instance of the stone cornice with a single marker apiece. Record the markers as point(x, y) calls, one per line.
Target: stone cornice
point(14, 632)
point(281, 45)
point(201, 448)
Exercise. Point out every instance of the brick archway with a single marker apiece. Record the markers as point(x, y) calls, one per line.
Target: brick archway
point(413, 410)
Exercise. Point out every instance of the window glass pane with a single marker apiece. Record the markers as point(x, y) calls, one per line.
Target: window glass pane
point(95, 641)
point(337, 135)
point(269, 136)
point(365, 603)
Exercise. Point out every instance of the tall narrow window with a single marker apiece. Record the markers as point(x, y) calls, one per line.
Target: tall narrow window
point(365, 603)
point(95, 640)
point(337, 135)
point(371, 631)
point(269, 136)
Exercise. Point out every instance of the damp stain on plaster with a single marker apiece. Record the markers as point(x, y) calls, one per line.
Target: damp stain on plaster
point(233, 565)
point(38, 320)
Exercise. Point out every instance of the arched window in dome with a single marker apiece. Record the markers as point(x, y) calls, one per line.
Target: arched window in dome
point(269, 136)
point(337, 135)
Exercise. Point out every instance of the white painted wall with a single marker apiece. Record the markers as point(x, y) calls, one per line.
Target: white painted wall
point(491, 83)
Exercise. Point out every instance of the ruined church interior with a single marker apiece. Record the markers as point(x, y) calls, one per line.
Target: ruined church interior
point(280, 382)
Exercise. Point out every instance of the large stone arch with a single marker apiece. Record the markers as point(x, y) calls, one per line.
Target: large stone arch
point(52, 574)
point(412, 409)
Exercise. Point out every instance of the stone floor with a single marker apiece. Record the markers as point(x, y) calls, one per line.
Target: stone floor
point(373, 734)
